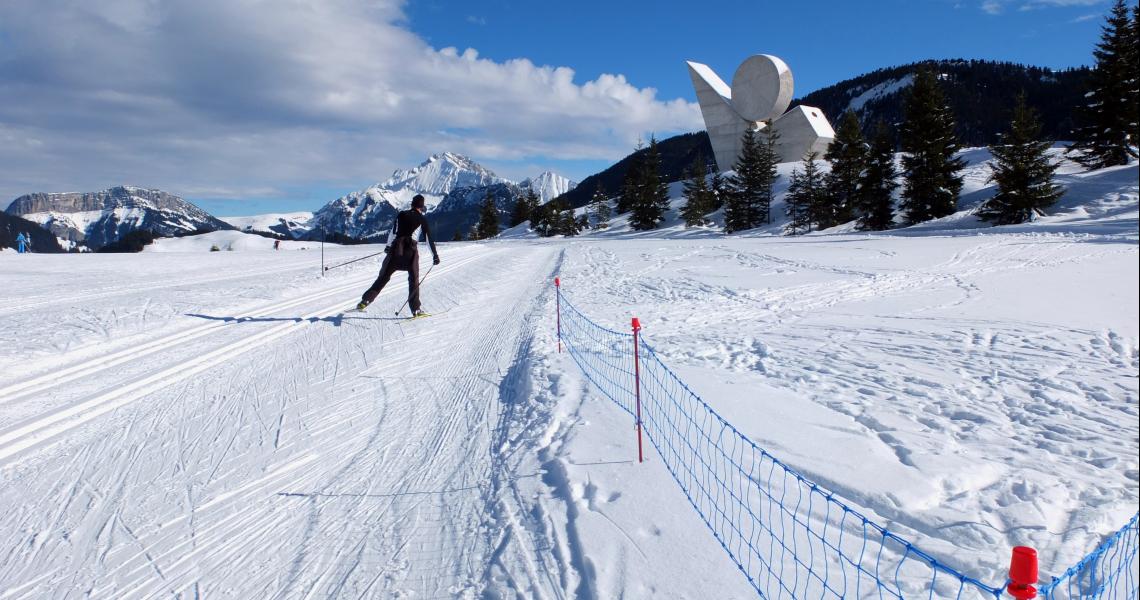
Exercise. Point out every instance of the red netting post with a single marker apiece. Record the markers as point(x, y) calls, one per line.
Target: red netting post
point(1023, 573)
point(558, 309)
point(637, 383)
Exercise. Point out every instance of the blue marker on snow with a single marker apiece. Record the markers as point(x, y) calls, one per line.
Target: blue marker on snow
point(22, 243)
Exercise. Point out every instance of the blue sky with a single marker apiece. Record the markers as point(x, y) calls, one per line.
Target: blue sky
point(245, 110)
point(823, 42)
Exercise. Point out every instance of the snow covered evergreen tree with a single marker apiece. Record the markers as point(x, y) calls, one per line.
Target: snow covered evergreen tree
point(699, 199)
point(568, 224)
point(543, 219)
point(488, 226)
point(599, 210)
point(847, 154)
point(805, 193)
point(1107, 124)
point(769, 158)
point(749, 198)
point(525, 207)
point(632, 183)
point(877, 184)
point(652, 196)
point(1022, 171)
point(930, 169)
point(1134, 90)
point(521, 212)
point(719, 190)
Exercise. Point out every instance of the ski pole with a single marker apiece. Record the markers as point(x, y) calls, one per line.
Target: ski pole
point(420, 283)
point(353, 260)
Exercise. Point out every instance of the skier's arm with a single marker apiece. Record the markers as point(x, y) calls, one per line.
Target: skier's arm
point(430, 241)
point(391, 234)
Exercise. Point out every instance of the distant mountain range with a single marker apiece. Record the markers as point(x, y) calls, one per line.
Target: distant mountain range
point(454, 187)
point(93, 220)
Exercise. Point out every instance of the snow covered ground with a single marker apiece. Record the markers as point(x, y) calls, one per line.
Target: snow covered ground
point(227, 241)
point(194, 423)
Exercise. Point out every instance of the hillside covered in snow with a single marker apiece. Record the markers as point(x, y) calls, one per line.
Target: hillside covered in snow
point(183, 421)
point(1104, 199)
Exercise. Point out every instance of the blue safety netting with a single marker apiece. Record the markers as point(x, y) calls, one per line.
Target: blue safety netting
point(1108, 572)
point(791, 537)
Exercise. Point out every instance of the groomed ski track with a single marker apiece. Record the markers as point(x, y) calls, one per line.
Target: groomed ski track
point(288, 450)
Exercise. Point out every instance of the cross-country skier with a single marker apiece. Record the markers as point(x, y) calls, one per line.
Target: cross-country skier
point(403, 254)
point(22, 243)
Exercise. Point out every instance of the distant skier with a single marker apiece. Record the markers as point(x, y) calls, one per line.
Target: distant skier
point(276, 244)
point(21, 243)
point(404, 255)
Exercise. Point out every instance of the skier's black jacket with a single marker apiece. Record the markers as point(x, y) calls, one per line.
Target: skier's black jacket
point(402, 238)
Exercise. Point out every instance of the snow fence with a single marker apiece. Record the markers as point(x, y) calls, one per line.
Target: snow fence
point(791, 537)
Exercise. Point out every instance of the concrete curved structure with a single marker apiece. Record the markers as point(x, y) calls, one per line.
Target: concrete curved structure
point(762, 89)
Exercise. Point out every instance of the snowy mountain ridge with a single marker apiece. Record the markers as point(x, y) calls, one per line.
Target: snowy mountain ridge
point(449, 182)
point(92, 220)
point(548, 185)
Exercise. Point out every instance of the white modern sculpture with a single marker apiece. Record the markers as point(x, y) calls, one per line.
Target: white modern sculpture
point(761, 90)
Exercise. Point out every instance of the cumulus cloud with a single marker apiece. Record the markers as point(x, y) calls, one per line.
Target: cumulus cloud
point(252, 94)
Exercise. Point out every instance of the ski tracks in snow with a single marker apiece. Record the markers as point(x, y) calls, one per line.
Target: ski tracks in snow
point(907, 357)
point(291, 451)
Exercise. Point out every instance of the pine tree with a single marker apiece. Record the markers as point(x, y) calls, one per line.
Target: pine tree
point(746, 185)
point(699, 199)
point(1134, 60)
point(876, 205)
point(794, 207)
point(488, 226)
point(652, 199)
point(769, 158)
point(633, 182)
point(718, 189)
point(568, 225)
point(521, 212)
point(532, 200)
point(1108, 122)
point(1022, 171)
point(930, 169)
point(847, 154)
point(599, 210)
point(541, 220)
point(457, 236)
point(656, 185)
point(805, 195)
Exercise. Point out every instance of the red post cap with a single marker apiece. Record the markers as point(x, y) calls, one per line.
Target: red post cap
point(1023, 573)
point(636, 324)
point(557, 283)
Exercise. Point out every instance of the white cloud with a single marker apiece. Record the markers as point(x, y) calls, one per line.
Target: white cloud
point(997, 7)
point(247, 94)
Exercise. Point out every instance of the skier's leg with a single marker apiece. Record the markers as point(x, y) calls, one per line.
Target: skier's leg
point(414, 283)
point(381, 281)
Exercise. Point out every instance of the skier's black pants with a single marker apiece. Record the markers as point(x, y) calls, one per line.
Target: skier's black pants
point(408, 261)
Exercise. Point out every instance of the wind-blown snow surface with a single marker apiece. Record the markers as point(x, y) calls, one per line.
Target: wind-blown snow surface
point(213, 423)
